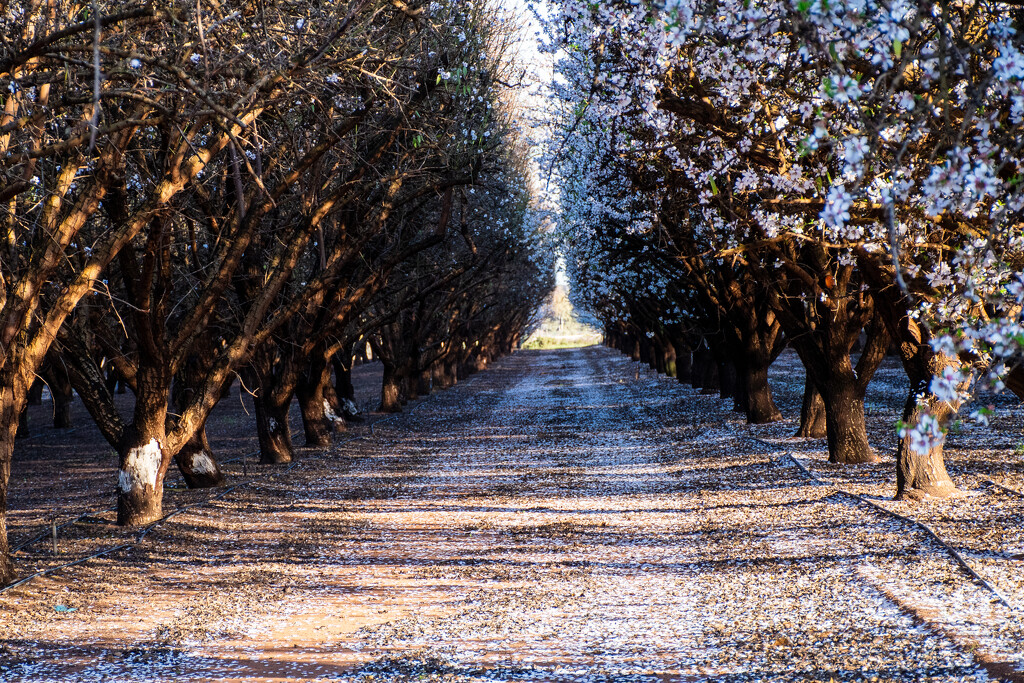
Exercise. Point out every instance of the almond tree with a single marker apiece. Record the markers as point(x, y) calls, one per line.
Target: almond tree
point(79, 93)
point(846, 153)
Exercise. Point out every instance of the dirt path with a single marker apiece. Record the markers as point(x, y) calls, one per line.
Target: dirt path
point(539, 522)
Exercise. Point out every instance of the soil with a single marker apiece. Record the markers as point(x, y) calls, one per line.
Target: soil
point(565, 515)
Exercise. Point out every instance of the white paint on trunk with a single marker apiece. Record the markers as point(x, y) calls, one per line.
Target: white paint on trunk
point(331, 415)
point(349, 407)
point(202, 463)
point(141, 467)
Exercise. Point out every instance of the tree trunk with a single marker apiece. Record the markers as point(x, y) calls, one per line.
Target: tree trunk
point(63, 396)
point(706, 374)
point(844, 418)
point(437, 375)
point(669, 354)
point(451, 371)
point(313, 403)
point(424, 383)
point(411, 384)
point(726, 379)
point(924, 474)
point(23, 427)
point(755, 351)
point(196, 463)
point(273, 430)
point(343, 386)
point(140, 480)
point(35, 394)
point(9, 409)
point(391, 390)
point(916, 474)
point(684, 366)
point(812, 413)
point(634, 353)
point(335, 408)
point(760, 405)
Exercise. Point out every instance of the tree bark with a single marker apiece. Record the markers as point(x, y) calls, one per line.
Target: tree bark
point(196, 463)
point(23, 426)
point(272, 429)
point(143, 461)
point(391, 389)
point(9, 410)
point(755, 397)
point(424, 383)
point(919, 475)
point(845, 428)
point(140, 481)
point(62, 394)
point(812, 413)
point(726, 379)
point(342, 362)
point(705, 372)
point(670, 359)
point(313, 403)
point(35, 394)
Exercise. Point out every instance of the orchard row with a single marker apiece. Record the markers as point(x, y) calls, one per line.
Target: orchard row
point(195, 194)
point(740, 175)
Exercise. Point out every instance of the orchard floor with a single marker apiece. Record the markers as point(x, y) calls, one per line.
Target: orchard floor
point(565, 515)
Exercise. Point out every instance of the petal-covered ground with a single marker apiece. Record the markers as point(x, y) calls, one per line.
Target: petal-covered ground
point(562, 516)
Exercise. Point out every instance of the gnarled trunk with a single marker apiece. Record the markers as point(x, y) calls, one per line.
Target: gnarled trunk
point(273, 430)
point(63, 395)
point(726, 379)
point(705, 372)
point(845, 429)
point(342, 362)
point(760, 405)
point(754, 394)
point(812, 413)
point(924, 474)
point(35, 394)
point(23, 426)
point(196, 463)
point(140, 479)
point(313, 403)
point(143, 460)
point(669, 354)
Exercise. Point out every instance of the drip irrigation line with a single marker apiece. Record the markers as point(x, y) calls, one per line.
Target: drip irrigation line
point(141, 534)
point(1004, 489)
point(47, 528)
point(51, 430)
point(957, 557)
point(950, 550)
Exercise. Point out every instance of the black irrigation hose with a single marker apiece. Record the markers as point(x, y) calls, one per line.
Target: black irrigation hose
point(221, 494)
point(48, 528)
point(1004, 489)
point(908, 520)
point(42, 432)
point(964, 564)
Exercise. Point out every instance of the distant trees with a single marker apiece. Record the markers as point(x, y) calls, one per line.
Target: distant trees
point(745, 172)
point(192, 193)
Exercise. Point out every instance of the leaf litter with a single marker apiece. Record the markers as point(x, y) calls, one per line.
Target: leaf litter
point(559, 517)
